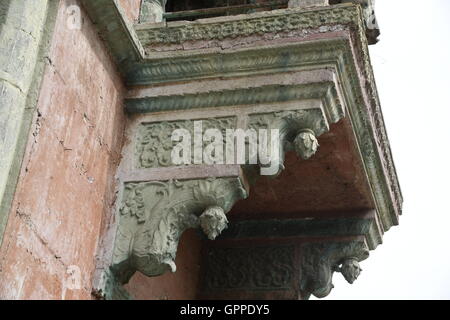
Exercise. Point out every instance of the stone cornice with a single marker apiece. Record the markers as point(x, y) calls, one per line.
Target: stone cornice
point(207, 64)
point(325, 91)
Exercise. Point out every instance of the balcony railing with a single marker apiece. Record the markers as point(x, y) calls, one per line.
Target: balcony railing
point(225, 10)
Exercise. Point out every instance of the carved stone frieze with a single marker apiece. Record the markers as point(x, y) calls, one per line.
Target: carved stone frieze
point(321, 260)
point(298, 130)
point(258, 23)
point(275, 267)
point(254, 268)
point(153, 215)
point(154, 143)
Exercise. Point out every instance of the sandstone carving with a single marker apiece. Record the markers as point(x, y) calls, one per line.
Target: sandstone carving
point(298, 130)
point(213, 221)
point(154, 140)
point(306, 144)
point(350, 269)
point(259, 268)
point(320, 261)
point(154, 215)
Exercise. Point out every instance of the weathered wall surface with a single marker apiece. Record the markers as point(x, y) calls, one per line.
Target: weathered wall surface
point(131, 8)
point(66, 185)
point(25, 29)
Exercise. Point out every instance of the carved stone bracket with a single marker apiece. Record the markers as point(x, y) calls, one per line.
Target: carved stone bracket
point(321, 260)
point(153, 215)
point(298, 131)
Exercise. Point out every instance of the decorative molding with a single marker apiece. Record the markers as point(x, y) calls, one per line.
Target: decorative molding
point(221, 28)
point(183, 66)
point(254, 268)
point(321, 260)
point(325, 91)
point(153, 215)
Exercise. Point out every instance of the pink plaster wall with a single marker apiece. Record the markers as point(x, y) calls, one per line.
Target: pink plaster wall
point(131, 8)
point(181, 285)
point(66, 186)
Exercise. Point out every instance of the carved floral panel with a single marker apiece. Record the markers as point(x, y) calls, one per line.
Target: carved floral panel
point(154, 143)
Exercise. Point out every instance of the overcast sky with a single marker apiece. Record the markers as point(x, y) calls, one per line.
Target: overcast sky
point(412, 67)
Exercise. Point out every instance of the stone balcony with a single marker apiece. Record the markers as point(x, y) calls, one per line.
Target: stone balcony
point(304, 70)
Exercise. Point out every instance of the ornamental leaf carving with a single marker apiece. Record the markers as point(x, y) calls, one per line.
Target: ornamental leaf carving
point(259, 23)
point(147, 239)
point(320, 261)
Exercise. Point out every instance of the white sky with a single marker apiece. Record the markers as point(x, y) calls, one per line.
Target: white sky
point(412, 67)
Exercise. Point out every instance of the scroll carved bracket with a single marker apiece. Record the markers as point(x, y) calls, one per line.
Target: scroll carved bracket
point(320, 261)
point(298, 131)
point(154, 215)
